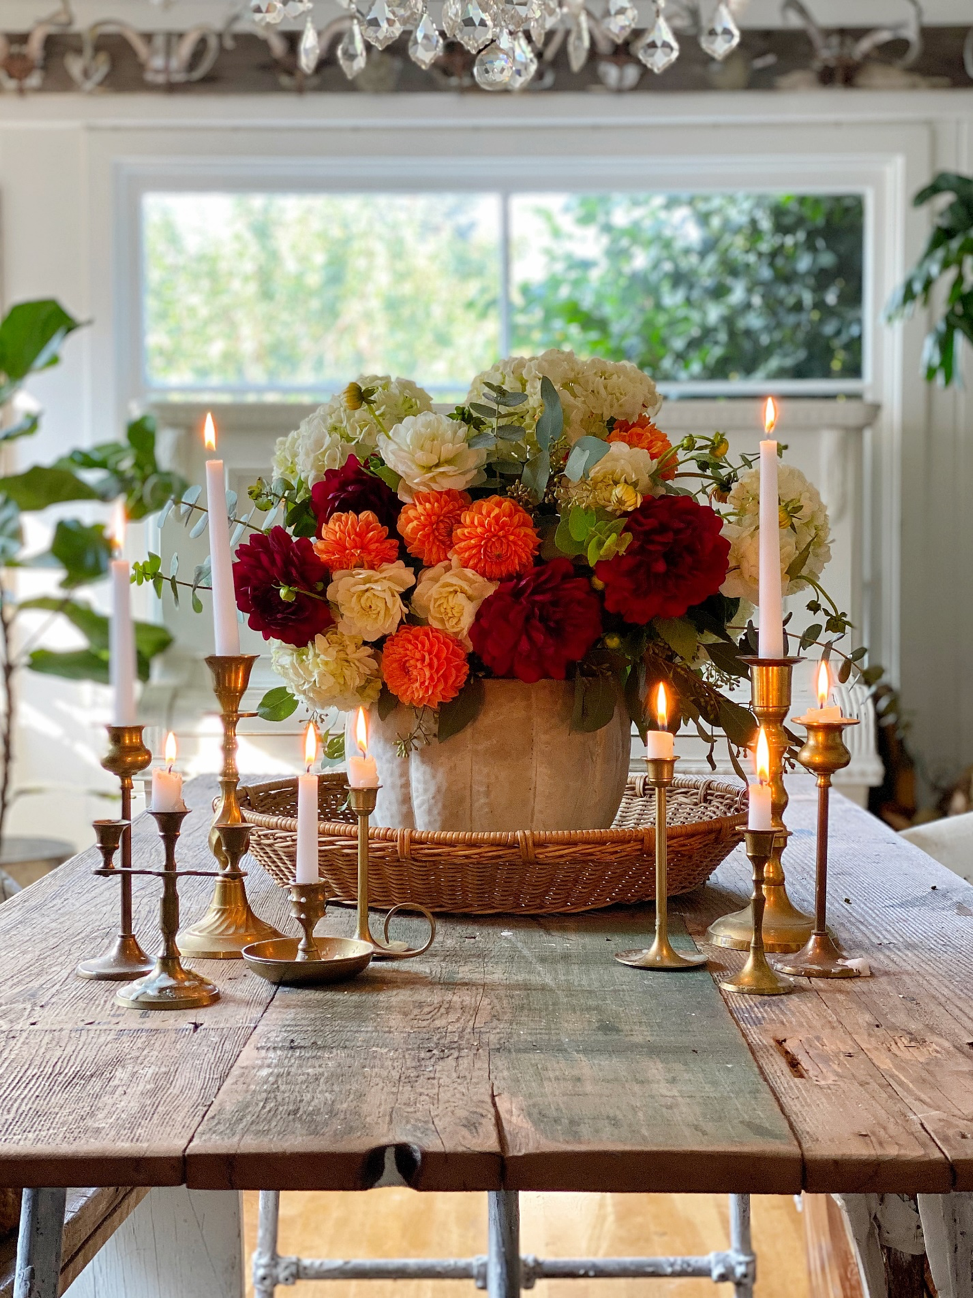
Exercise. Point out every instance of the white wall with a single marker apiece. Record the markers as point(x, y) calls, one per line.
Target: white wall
point(63, 161)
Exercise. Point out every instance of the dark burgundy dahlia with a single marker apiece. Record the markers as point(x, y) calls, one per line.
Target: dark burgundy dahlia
point(277, 578)
point(351, 490)
point(677, 558)
point(534, 625)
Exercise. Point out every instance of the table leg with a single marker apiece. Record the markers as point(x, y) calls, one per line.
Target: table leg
point(947, 1226)
point(265, 1254)
point(740, 1242)
point(887, 1237)
point(38, 1271)
point(503, 1244)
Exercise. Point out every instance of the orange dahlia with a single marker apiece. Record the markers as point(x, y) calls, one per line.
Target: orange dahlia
point(496, 537)
point(355, 541)
point(428, 522)
point(424, 666)
point(643, 433)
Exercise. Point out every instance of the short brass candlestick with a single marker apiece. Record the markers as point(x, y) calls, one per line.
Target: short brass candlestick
point(309, 902)
point(124, 959)
point(756, 978)
point(785, 927)
point(824, 753)
point(362, 803)
point(660, 955)
point(169, 986)
point(229, 925)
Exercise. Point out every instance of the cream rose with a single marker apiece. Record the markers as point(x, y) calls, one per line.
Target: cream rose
point(369, 600)
point(333, 671)
point(431, 453)
point(448, 597)
point(619, 482)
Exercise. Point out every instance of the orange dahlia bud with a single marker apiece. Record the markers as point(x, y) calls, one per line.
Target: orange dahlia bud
point(428, 521)
point(355, 541)
point(424, 666)
point(643, 433)
point(496, 537)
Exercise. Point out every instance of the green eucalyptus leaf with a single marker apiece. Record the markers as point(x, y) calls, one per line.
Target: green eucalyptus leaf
point(512, 398)
point(728, 658)
point(200, 525)
point(564, 540)
point(580, 522)
point(585, 454)
point(537, 474)
point(480, 441)
point(550, 425)
point(510, 432)
point(485, 412)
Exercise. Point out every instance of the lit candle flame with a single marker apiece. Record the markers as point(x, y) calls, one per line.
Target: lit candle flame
point(310, 745)
point(824, 683)
point(770, 415)
point(116, 528)
point(662, 707)
point(209, 433)
point(170, 750)
point(361, 732)
point(763, 757)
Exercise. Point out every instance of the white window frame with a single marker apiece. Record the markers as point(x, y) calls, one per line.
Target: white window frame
point(424, 175)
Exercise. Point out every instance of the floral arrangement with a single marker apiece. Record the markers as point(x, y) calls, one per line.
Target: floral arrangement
point(545, 528)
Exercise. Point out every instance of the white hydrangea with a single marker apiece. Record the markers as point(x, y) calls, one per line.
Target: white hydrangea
point(448, 597)
point(327, 437)
point(431, 453)
point(369, 599)
point(333, 671)
point(591, 391)
point(619, 482)
point(806, 522)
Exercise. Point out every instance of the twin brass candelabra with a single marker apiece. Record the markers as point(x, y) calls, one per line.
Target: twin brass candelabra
point(661, 954)
point(229, 925)
point(785, 928)
point(124, 959)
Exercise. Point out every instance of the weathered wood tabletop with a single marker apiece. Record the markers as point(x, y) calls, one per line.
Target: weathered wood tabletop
point(515, 1054)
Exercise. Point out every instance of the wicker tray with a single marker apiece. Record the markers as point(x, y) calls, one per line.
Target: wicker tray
point(490, 873)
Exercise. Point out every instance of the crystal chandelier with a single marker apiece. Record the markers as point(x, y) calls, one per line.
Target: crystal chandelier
point(510, 38)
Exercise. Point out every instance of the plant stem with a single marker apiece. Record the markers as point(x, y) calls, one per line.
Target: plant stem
point(7, 670)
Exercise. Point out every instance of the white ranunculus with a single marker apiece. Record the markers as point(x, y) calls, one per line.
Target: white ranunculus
point(431, 453)
point(287, 453)
point(334, 671)
point(369, 599)
point(619, 482)
point(807, 523)
point(448, 597)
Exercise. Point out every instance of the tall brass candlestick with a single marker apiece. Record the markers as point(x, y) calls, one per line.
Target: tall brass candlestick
point(124, 959)
point(785, 927)
point(824, 753)
point(660, 955)
point(229, 925)
point(757, 978)
point(169, 986)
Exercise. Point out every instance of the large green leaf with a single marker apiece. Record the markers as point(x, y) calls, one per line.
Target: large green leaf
point(11, 532)
point(277, 704)
point(40, 487)
point(74, 664)
point(459, 712)
point(679, 634)
point(83, 551)
point(594, 702)
point(30, 335)
point(150, 639)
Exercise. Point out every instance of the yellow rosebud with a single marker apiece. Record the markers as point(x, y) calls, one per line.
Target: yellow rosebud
point(624, 498)
point(720, 446)
point(353, 397)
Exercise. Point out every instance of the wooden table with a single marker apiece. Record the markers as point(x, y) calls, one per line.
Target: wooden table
point(515, 1055)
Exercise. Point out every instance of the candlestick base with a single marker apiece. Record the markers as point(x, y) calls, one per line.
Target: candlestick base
point(660, 955)
point(168, 987)
point(757, 978)
point(123, 961)
point(786, 929)
point(820, 957)
point(227, 927)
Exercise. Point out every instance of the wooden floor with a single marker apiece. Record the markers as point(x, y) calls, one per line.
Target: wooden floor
point(398, 1222)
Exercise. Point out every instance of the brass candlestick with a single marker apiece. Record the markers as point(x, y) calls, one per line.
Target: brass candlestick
point(785, 927)
point(309, 902)
point(362, 803)
point(229, 924)
point(124, 959)
point(824, 753)
point(660, 955)
point(756, 978)
point(169, 986)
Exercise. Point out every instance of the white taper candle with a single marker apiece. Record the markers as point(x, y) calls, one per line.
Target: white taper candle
point(225, 628)
point(771, 638)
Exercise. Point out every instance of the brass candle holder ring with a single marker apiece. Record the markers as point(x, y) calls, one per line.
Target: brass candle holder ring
point(169, 986)
point(124, 959)
point(312, 961)
point(661, 954)
point(824, 753)
point(785, 927)
point(229, 924)
point(757, 978)
point(362, 803)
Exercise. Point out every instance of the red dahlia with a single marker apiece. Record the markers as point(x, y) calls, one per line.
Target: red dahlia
point(677, 558)
point(351, 490)
point(269, 573)
point(534, 625)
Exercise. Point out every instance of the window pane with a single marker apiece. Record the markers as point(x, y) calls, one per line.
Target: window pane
point(704, 286)
point(281, 293)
